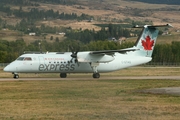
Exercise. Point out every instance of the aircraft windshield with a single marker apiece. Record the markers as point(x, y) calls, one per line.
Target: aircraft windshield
point(24, 59)
point(27, 59)
point(20, 58)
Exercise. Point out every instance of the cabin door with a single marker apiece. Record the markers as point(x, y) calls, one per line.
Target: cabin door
point(41, 60)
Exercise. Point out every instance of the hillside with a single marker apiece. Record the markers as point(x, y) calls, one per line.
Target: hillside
point(102, 11)
point(169, 2)
point(109, 10)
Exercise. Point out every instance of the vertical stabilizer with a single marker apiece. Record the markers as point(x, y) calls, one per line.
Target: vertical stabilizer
point(146, 41)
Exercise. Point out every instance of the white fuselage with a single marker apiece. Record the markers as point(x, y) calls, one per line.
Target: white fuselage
point(63, 63)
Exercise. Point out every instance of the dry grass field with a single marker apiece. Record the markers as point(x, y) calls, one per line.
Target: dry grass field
point(91, 99)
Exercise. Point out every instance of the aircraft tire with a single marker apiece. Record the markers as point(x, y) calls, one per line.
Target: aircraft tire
point(96, 75)
point(16, 76)
point(63, 75)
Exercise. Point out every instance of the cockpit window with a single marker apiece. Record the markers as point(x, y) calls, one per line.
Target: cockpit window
point(20, 58)
point(27, 59)
point(24, 59)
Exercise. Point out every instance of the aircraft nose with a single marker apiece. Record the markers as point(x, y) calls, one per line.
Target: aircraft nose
point(6, 69)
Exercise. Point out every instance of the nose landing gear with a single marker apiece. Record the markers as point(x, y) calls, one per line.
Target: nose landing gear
point(16, 76)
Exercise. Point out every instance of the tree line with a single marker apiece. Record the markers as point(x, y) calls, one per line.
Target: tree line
point(108, 32)
point(36, 14)
point(63, 2)
point(167, 53)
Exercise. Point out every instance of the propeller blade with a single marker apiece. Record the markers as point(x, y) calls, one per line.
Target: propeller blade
point(74, 54)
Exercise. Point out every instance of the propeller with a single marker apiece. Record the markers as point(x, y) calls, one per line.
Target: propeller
point(74, 53)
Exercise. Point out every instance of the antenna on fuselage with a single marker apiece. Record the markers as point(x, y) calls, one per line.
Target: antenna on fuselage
point(40, 49)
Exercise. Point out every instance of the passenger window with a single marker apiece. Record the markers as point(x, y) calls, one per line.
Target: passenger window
point(27, 59)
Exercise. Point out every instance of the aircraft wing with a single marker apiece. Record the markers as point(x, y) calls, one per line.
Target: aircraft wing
point(111, 52)
point(103, 56)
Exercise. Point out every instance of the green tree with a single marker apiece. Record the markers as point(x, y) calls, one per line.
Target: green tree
point(51, 38)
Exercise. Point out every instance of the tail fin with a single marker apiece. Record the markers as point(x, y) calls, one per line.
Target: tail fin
point(146, 41)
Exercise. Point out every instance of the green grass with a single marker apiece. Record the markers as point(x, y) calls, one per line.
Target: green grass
point(85, 100)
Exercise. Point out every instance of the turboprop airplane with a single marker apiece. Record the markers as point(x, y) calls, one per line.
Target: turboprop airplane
point(95, 62)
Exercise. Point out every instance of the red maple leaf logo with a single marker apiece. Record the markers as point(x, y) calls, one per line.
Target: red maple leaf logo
point(148, 43)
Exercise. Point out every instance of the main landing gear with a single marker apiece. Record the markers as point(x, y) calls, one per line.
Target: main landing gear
point(63, 75)
point(94, 68)
point(96, 75)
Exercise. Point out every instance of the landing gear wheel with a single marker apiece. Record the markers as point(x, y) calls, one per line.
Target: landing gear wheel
point(63, 75)
point(16, 76)
point(96, 75)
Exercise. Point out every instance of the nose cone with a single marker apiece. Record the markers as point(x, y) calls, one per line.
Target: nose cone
point(12, 67)
point(6, 69)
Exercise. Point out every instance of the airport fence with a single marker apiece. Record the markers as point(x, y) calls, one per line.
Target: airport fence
point(166, 64)
point(2, 65)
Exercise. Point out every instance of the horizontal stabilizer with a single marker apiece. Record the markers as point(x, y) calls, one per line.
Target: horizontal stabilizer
point(153, 26)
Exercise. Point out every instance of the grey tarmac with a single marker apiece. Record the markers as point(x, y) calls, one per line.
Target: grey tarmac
point(165, 90)
point(101, 78)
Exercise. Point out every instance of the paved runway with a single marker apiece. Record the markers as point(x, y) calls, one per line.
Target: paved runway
point(102, 78)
